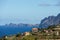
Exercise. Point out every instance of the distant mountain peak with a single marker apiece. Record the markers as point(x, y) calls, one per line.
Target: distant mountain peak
point(58, 15)
point(51, 20)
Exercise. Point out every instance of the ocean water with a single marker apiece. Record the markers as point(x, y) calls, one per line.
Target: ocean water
point(13, 30)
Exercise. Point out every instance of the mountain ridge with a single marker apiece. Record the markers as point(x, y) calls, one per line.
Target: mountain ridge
point(51, 20)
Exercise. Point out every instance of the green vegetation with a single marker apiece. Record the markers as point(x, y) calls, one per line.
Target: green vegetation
point(29, 37)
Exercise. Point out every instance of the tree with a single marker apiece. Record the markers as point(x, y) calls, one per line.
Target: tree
point(18, 35)
point(51, 27)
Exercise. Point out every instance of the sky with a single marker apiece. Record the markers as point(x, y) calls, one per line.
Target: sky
point(27, 11)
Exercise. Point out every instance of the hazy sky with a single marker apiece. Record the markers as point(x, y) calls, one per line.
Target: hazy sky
point(27, 11)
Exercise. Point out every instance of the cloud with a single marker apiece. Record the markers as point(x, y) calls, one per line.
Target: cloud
point(50, 4)
point(58, 4)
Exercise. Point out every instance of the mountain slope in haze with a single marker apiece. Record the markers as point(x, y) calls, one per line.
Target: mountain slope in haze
point(51, 20)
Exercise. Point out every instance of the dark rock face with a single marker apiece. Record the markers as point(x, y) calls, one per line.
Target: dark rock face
point(51, 20)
